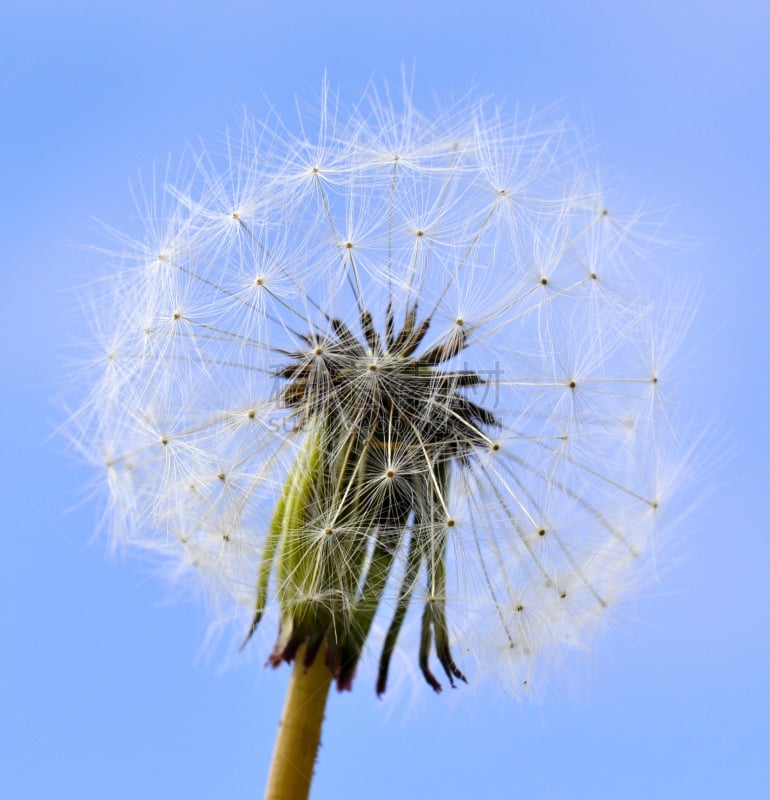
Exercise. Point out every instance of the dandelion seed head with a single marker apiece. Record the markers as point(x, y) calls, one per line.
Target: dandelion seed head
point(396, 380)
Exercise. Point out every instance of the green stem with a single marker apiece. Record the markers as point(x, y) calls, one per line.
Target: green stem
point(299, 732)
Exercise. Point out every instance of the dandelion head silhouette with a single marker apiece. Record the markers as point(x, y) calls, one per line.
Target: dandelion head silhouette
point(396, 377)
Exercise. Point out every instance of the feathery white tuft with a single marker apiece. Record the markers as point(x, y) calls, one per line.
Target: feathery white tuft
point(215, 331)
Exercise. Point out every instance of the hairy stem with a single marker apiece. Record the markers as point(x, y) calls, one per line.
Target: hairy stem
point(299, 731)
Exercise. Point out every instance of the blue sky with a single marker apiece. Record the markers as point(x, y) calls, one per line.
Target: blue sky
point(103, 690)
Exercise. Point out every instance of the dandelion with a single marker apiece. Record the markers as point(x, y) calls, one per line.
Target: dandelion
point(391, 370)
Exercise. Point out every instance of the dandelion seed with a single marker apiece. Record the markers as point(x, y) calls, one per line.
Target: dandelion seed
point(357, 376)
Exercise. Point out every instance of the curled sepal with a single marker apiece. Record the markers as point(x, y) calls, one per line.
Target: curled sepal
point(266, 567)
point(434, 534)
point(434, 617)
point(376, 578)
point(413, 559)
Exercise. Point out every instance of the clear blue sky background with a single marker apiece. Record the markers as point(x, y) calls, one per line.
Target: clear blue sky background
point(102, 691)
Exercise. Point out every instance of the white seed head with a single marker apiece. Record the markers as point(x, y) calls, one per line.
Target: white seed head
point(426, 351)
